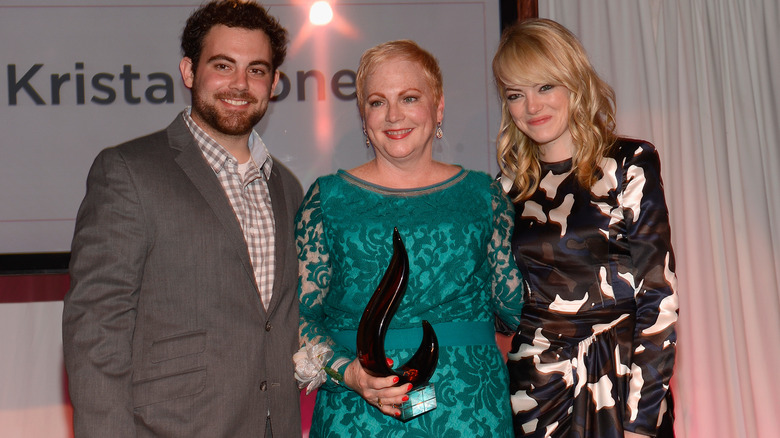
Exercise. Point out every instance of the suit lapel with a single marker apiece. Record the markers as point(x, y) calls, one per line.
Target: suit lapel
point(191, 161)
point(282, 223)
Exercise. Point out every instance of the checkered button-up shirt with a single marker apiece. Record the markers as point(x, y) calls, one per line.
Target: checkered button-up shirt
point(247, 190)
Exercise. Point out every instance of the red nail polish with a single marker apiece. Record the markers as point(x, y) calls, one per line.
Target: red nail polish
point(395, 379)
point(406, 398)
point(389, 362)
point(410, 387)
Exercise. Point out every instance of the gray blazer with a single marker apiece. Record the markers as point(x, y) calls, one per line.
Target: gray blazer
point(164, 333)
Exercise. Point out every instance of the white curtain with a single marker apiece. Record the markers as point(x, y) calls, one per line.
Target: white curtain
point(701, 80)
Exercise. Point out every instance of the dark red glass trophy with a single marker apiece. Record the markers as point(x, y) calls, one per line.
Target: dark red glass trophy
point(373, 329)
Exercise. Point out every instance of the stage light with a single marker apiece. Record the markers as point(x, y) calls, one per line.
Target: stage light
point(320, 13)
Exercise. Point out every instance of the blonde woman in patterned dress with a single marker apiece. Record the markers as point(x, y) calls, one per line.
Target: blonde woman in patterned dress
point(595, 349)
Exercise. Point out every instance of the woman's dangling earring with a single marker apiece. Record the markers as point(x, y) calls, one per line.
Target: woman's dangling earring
point(439, 132)
point(368, 141)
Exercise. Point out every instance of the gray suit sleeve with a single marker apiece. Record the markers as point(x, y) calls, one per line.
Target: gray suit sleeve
point(108, 251)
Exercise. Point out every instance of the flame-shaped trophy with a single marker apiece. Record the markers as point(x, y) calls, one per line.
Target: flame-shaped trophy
point(373, 329)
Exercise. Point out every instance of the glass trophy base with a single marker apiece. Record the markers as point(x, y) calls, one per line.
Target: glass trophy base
point(421, 400)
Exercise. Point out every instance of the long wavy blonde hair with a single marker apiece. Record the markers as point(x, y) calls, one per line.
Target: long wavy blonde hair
point(541, 51)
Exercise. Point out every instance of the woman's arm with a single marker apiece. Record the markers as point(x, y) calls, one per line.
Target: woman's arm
point(315, 273)
point(655, 283)
point(506, 280)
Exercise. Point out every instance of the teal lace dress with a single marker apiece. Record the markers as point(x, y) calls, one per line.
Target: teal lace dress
point(462, 274)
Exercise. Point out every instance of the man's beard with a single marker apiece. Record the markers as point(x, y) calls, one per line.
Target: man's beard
point(231, 123)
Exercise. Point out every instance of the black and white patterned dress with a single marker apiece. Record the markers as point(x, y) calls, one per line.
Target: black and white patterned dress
point(595, 350)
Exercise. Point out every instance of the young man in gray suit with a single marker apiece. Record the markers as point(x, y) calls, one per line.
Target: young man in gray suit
point(182, 317)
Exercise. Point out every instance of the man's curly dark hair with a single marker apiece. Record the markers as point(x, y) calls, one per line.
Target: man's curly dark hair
point(232, 13)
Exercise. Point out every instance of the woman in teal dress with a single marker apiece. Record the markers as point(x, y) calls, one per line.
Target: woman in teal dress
point(456, 226)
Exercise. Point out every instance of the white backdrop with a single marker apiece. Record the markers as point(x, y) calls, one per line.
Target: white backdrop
point(81, 75)
point(46, 147)
point(701, 80)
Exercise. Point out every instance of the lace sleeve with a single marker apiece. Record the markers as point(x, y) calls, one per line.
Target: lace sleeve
point(314, 277)
point(507, 282)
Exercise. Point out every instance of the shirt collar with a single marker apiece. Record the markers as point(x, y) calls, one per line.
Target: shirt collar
point(217, 156)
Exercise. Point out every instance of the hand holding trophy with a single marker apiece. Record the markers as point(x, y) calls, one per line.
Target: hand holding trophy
point(373, 329)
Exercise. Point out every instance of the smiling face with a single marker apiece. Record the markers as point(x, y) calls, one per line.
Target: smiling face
point(542, 113)
point(400, 111)
point(233, 83)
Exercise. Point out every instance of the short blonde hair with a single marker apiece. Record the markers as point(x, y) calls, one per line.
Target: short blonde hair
point(403, 49)
point(541, 51)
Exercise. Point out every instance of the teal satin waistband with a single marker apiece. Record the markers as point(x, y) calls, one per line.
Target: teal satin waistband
point(447, 333)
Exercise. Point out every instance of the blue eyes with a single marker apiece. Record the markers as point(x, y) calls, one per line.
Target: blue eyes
point(378, 103)
point(513, 96)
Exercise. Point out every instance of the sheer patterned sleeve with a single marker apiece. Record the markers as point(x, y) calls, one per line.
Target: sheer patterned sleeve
point(655, 284)
point(506, 280)
point(314, 276)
